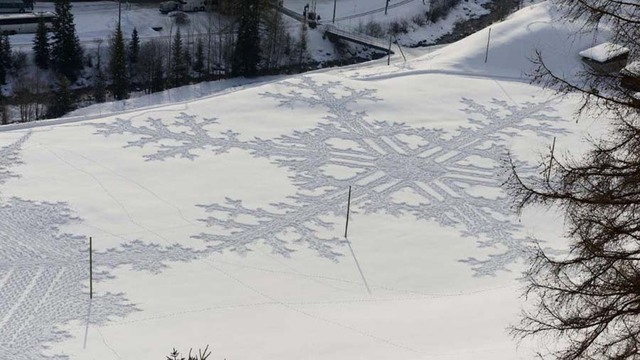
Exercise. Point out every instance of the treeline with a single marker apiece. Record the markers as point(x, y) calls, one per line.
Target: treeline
point(60, 71)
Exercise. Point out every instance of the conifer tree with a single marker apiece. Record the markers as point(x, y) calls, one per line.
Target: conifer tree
point(66, 52)
point(3, 67)
point(304, 38)
point(178, 68)
point(5, 58)
point(198, 65)
point(99, 84)
point(6, 53)
point(41, 49)
point(134, 46)
point(62, 99)
point(118, 66)
point(246, 57)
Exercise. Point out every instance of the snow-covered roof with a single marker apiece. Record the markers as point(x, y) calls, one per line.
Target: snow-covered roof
point(604, 52)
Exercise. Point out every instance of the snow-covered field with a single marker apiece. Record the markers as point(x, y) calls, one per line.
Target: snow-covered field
point(221, 220)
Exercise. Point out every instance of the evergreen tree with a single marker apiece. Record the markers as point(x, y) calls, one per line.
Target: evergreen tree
point(6, 58)
point(41, 50)
point(134, 47)
point(246, 57)
point(99, 84)
point(198, 65)
point(304, 39)
point(118, 66)
point(62, 99)
point(66, 52)
point(179, 71)
point(4, 62)
point(3, 72)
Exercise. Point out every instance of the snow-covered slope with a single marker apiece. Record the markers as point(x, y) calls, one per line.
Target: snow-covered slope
point(221, 220)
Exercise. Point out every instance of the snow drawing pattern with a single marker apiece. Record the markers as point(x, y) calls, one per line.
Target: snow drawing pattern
point(44, 273)
point(381, 160)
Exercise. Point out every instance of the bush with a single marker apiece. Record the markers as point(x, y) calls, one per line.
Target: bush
point(399, 27)
point(373, 29)
point(420, 19)
point(180, 17)
point(202, 355)
point(18, 60)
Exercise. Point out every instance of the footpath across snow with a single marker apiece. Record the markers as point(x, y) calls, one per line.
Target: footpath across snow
point(221, 220)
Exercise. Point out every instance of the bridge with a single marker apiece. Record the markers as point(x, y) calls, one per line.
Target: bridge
point(334, 33)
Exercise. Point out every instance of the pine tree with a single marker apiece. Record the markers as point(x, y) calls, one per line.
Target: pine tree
point(66, 52)
point(198, 65)
point(246, 57)
point(41, 49)
point(6, 53)
point(99, 84)
point(3, 69)
point(134, 47)
point(304, 38)
point(62, 99)
point(118, 66)
point(178, 72)
point(5, 58)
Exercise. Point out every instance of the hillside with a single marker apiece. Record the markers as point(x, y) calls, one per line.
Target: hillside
point(221, 220)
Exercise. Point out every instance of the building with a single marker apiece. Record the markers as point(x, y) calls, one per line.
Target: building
point(606, 58)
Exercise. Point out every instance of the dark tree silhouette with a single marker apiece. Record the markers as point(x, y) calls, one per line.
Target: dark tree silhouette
point(66, 52)
point(62, 101)
point(246, 57)
point(41, 48)
point(179, 69)
point(5, 57)
point(118, 66)
point(588, 301)
point(134, 46)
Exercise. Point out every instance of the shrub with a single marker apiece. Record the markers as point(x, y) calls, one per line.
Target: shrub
point(399, 27)
point(374, 29)
point(201, 355)
point(420, 19)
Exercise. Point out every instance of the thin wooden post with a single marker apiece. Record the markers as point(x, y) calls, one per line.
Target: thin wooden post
point(486, 55)
point(90, 268)
point(553, 148)
point(400, 47)
point(389, 58)
point(335, 3)
point(346, 227)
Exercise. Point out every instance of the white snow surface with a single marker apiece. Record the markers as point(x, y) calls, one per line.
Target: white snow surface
point(221, 220)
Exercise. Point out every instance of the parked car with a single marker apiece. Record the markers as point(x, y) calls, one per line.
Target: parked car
point(169, 6)
point(183, 5)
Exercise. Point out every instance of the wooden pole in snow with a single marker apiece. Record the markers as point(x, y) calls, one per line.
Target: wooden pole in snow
point(90, 268)
point(486, 55)
point(389, 58)
point(346, 227)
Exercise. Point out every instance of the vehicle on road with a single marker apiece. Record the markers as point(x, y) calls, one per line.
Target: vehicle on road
point(194, 5)
point(182, 5)
point(26, 23)
point(15, 6)
point(169, 6)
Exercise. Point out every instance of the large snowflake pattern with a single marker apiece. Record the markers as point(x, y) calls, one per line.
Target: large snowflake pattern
point(44, 272)
point(383, 161)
